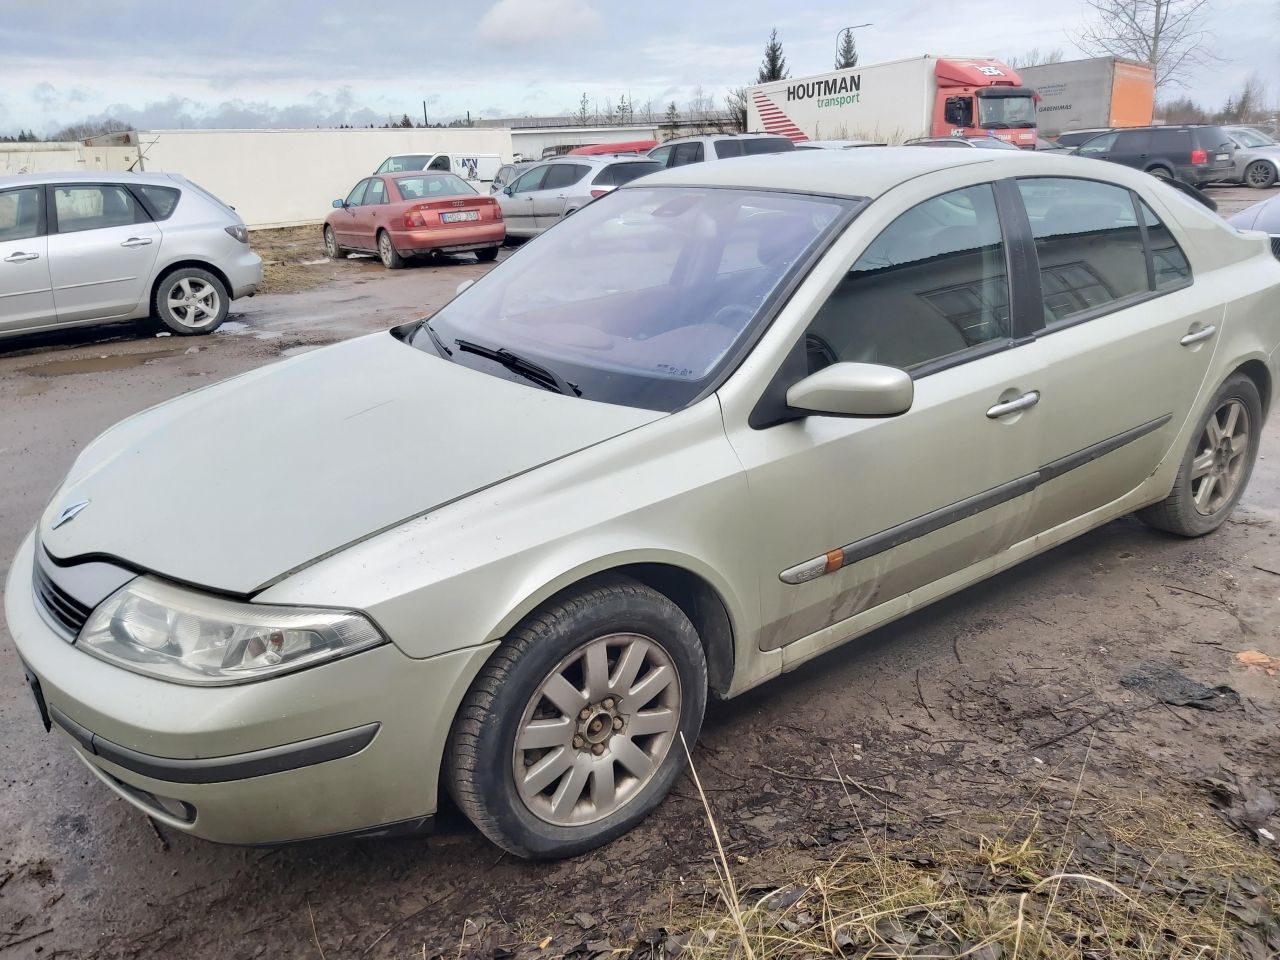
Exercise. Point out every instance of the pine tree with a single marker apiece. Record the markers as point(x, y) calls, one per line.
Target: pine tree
point(847, 55)
point(672, 116)
point(774, 66)
point(583, 116)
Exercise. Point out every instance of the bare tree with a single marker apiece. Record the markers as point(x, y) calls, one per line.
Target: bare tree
point(90, 128)
point(736, 103)
point(1168, 35)
point(1035, 57)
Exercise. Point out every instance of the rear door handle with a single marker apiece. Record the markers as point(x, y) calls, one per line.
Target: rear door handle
point(1016, 405)
point(1198, 336)
point(136, 242)
point(20, 257)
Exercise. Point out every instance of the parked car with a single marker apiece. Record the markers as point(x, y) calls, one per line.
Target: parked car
point(1050, 146)
point(544, 195)
point(838, 144)
point(1073, 138)
point(1257, 158)
point(400, 216)
point(1193, 154)
point(626, 146)
point(508, 172)
point(513, 548)
point(93, 247)
point(1264, 216)
point(683, 150)
point(979, 143)
point(471, 167)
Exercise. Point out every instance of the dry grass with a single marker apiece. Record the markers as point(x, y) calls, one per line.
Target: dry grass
point(1152, 877)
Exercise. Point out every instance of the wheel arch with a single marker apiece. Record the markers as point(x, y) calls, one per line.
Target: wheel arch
point(177, 265)
point(1257, 371)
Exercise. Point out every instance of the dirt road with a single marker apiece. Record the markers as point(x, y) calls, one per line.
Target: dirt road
point(1002, 700)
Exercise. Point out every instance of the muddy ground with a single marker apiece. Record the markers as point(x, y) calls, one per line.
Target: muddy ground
point(999, 708)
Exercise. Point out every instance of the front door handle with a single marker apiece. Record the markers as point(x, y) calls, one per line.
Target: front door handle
point(136, 242)
point(1016, 405)
point(1198, 336)
point(21, 257)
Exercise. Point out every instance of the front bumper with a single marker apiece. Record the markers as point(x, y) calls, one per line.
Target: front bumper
point(346, 747)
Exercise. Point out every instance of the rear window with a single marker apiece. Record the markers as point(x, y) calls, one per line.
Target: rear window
point(615, 175)
point(429, 186)
point(161, 200)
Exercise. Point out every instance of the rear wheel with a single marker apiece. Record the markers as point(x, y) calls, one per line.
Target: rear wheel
point(488, 254)
point(1217, 464)
point(570, 735)
point(387, 252)
point(331, 248)
point(1162, 173)
point(1260, 174)
point(191, 301)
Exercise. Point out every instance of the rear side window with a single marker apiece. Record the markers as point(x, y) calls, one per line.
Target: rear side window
point(95, 207)
point(20, 214)
point(687, 153)
point(162, 200)
point(728, 148)
point(376, 193)
point(563, 175)
point(1171, 141)
point(1169, 264)
point(1134, 141)
point(766, 145)
point(617, 174)
point(1088, 242)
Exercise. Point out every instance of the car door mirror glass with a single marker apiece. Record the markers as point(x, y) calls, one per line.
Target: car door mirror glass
point(339, 203)
point(854, 390)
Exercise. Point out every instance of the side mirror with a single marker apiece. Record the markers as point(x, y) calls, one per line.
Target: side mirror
point(854, 390)
point(338, 204)
point(507, 191)
point(463, 285)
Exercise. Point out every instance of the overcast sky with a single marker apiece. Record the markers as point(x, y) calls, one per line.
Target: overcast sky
point(230, 63)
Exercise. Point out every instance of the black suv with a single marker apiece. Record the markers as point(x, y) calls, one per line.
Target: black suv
point(1193, 154)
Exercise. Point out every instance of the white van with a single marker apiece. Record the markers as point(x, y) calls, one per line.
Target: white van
point(475, 167)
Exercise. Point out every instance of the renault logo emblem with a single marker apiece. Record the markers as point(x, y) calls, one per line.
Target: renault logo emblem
point(69, 513)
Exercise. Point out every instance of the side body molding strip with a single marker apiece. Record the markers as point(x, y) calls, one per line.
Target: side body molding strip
point(921, 526)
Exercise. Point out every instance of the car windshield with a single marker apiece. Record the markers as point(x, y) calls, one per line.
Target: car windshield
point(1004, 112)
point(429, 186)
point(1251, 138)
point(640, 297)
point(415, 161)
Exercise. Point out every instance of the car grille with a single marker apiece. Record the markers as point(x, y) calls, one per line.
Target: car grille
point(62, 609)
point(1275, 246)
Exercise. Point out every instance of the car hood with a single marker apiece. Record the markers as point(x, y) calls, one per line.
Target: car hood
point(235, 485)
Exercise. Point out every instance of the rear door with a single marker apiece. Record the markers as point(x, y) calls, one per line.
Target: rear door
point(102, 248)
point(1171, 149)
point(1128, 335)
point(560, 183)
point(26, 294)
point(372, 214)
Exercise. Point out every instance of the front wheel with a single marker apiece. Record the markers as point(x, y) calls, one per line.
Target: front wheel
point(191, 301)
point(1260, 174)
point(331, 248)
point(1217, 464)
point(388, 253)
point(571, 734)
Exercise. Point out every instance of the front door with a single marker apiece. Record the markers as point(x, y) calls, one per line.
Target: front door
point(1129, 341)
point(102, 248)
point(557, 187)
point(345, 223)
point(517, 207)
point(26, 295)
point(854, 514)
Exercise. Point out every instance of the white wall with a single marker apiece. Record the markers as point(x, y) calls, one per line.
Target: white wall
point(280, 178)
point(62, 157)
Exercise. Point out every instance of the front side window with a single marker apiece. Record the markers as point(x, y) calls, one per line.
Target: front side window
point(411, 162)
point(530, 181)
point(959, 111)
point(356, 196)
point(1100, 144)
point(20, 213)
point(95, 207)
point(662, 155)
point(439, 163)
point(640, 297)
point(430, 186)
point(376, 193)
point(1089, 244)
point(932, 284)
point(562, 175)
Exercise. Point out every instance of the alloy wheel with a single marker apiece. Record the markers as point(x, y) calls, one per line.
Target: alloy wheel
point(330, 245)
point(385, 250)
point(1258, 175)
point(1220, 459)
point(597, 729)
point(194, 303)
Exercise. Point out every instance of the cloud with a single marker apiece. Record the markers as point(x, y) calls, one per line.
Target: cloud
point(520, 23)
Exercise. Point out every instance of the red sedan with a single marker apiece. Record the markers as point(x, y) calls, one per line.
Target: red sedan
point(413, 214)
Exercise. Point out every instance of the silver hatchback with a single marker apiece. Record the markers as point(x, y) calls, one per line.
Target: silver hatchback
point(84, 248)
point(547, 193)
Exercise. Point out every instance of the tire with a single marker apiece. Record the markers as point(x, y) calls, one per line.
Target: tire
point(387, 252)
point(628, 622)
point(1260, 175)
point(190, 301)
point(331, 248)
point(1191, 509)
point(488, 254)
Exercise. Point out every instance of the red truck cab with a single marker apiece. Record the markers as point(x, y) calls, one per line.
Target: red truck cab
point(983, 97)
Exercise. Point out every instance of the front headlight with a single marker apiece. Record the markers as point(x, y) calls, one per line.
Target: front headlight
point(165, 631)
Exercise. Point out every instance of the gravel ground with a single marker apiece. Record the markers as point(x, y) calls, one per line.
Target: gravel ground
point(1002, 701)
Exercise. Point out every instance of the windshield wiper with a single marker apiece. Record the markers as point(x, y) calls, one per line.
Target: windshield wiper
point(543, 376)
point(435, 338)
point(996, 125)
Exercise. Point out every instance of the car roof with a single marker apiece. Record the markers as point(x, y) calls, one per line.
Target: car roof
point(872, 173)
point(91, 176)
point(601, 159)
point(698, 138)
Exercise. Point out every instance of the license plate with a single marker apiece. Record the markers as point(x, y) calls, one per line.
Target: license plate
point(1224, 156)
point(456, 216)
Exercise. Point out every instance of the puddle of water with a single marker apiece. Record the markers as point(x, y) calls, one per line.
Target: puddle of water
point(232, 326)
point(123, 361)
